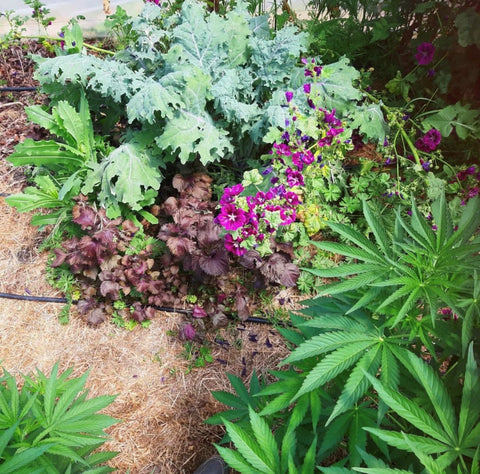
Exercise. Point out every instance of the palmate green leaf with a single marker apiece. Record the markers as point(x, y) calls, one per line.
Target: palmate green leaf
point(433, 467)
point(332, 365)
point(309, 461)
point(358, 323)
point(410, 411)
point(357, 384)
point(350, 251)
point(382, 239)
point(50, 396)
point(22, 459)
point(285, 389)
point(358, 281)
point(6, 436)
point(240, 388)
point(436, 392)
point(248, 447)
point(327, 342)
point(380, 470)
point(81, 412)
point(344, 270)
point(397, 439)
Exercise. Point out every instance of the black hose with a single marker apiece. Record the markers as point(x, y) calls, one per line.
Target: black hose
point(167, 309)
point(18, 89)
point(5, 194)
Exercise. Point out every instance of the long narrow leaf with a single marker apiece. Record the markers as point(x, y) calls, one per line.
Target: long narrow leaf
point(410, 411)
point(357, 383)
point(470, 405)
point(332, 365)
point(265, 439)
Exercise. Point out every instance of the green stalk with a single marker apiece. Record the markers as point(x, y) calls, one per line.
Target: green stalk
point(88, 46)
point(401, 129)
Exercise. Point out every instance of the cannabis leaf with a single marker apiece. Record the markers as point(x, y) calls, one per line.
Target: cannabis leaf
point(451, 437)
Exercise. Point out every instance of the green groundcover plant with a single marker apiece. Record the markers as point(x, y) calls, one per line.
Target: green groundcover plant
point(383, 375)
point(49, 425)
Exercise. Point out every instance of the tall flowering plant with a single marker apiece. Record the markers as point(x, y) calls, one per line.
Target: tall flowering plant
point(252, 211)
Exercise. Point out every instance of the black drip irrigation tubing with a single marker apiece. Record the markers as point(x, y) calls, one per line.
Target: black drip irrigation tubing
point(167, 309)
point(18, 89)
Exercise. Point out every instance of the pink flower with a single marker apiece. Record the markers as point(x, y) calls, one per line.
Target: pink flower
point(233, 245)
point(189, 332)
point(199, 312)
point(231, 217)
point(289, 96)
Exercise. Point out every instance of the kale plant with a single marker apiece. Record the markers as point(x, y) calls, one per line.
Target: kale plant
point(192, 86)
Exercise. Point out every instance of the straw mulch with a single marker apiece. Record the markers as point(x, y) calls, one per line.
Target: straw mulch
point(162, 408)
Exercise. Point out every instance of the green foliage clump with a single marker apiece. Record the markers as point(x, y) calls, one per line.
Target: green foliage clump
point(49, 425)
point(384, 374)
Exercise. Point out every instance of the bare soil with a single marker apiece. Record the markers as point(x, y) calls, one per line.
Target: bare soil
point(161, 405)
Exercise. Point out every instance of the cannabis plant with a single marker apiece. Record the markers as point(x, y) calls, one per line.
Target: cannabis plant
point(366, 388)
point(49, 425)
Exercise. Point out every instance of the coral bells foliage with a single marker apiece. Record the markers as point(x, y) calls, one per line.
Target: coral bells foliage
point(250, 219)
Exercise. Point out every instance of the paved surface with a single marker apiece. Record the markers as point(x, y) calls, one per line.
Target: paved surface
point(92, 10)
point(64, 10)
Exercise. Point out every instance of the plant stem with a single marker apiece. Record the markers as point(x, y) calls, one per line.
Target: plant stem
point(88, 46)
point(400, 128)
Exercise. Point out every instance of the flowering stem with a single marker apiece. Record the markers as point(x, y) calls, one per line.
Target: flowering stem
point(401, 129)
point(88, 46)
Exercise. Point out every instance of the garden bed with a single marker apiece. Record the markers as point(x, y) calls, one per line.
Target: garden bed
point(161, 405)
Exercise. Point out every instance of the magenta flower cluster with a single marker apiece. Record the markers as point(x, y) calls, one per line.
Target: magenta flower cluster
point(470, 179)
point(429, 141)
point(276, 202)
point(252, 219)
point(425, 53)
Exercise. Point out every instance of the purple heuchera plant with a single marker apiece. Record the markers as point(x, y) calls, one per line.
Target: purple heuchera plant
point(425, 53)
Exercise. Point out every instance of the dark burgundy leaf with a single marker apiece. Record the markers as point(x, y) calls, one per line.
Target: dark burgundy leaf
point(84, 216)
point(110, 289)
point(215, 264)
point(277, 269)
point(251, 260)
point(96, 316)
point(60, 256)
point(241, 305)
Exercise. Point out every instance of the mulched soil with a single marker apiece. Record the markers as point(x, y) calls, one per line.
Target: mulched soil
point(161, 405)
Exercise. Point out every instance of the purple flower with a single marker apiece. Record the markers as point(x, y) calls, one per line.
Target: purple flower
point(307, 88)
point(429, 141)
point(289, 96)
point(189, 332)
point(231, 217)
point(267, 170)
point(426, 165)
point(292, 198)
point(233, 245)
point(199, 312)
point(230, 193)
point(425, 52)
point(294, 178)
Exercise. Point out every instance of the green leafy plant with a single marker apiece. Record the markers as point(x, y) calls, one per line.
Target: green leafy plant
point(416, 270)
point(358, 386)
point(50, 425)
point(61, 165)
